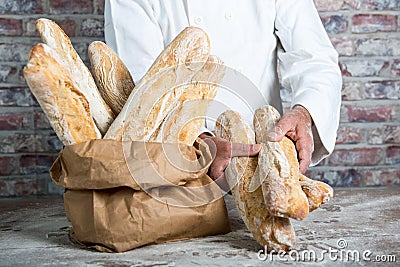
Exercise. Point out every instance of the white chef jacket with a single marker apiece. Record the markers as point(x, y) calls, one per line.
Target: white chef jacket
point(244, 34)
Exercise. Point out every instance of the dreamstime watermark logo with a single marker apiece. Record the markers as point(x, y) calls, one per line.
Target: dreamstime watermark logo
point(340, 253)
point(164, 114)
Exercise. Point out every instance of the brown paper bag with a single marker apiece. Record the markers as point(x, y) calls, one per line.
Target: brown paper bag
point(122, 195)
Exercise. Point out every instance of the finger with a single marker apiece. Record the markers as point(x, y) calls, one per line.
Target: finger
point(249, 150)
point(217, 168)
point(304, 164)
point(280, 130)
point(304, 147)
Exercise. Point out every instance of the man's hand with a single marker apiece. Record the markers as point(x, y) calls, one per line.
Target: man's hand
point(222, 152)
point(296, 124)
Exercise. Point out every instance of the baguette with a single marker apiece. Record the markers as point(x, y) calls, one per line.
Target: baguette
point(159, 91)
point(64, 104)
point(185, 123)
point(276, 233)
point(317, 192)
point(111, 75)
point(280, 174)
point(54, 36)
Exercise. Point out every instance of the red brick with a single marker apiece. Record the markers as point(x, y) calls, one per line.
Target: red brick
point(7, 144)
point(21, 7)
point(10, 27)
point(68, 26)
point(351, 91)
point(25, 187)
point(368, 114)
point(7, 73)
point(396, 111)
point(378, 47)
point(380, 4)
point(8, 165)
point(336, 5)
point(396, 67)
point(98, 6)
point(382, 90)
point(52, 143)
point(363, 68)
point(71, 7)
point(11, 121)
point(28, 143)
point(336, 178)
point(367, 23)
point(386, 134)
point(28, 164)
point(14, 52)
point(343, 45)
point(92, 28)
point(41, 121)
point(36, 164)
point(37, 142)
point(343, 114)
point(357, 157)
point(19, 97)
point(379, 177)
point(393, 155)
point(349, 135)
point(46, 160)
point(334, 24)
point(24, 142)
point(20, 186)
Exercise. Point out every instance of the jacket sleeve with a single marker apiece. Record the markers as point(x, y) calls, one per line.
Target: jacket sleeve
point(308, 66)
point(132, 31)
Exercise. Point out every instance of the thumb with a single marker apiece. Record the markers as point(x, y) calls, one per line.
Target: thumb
point(239, 149)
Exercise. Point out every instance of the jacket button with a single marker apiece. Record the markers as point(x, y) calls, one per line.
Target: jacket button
point(198, 20)
point(228, 15)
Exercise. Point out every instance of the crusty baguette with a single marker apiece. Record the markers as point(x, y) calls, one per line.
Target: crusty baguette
point(317, 192)
point(280, 174)
point(111, 74)
point(54, 36)
point(184, 124)
point(65, 106)
point(274, 232)
point(159, 91)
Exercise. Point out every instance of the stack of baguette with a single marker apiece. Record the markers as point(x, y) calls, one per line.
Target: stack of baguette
point(167, 105)
point(269, 190)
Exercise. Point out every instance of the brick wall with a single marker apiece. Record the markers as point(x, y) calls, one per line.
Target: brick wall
point(365, 32)
point(28, 145)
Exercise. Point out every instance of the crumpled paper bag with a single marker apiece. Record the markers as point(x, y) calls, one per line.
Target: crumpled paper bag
point(122, 195)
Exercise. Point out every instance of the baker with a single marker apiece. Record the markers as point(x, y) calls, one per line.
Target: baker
point(257, 39)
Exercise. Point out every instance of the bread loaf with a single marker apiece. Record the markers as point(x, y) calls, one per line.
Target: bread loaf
point(64, 104)
point(317, 192)
point(279, 174)
point(159, 91)
point(184, 124)
point(54, 36)
point(111, 75)
point(274, 232)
